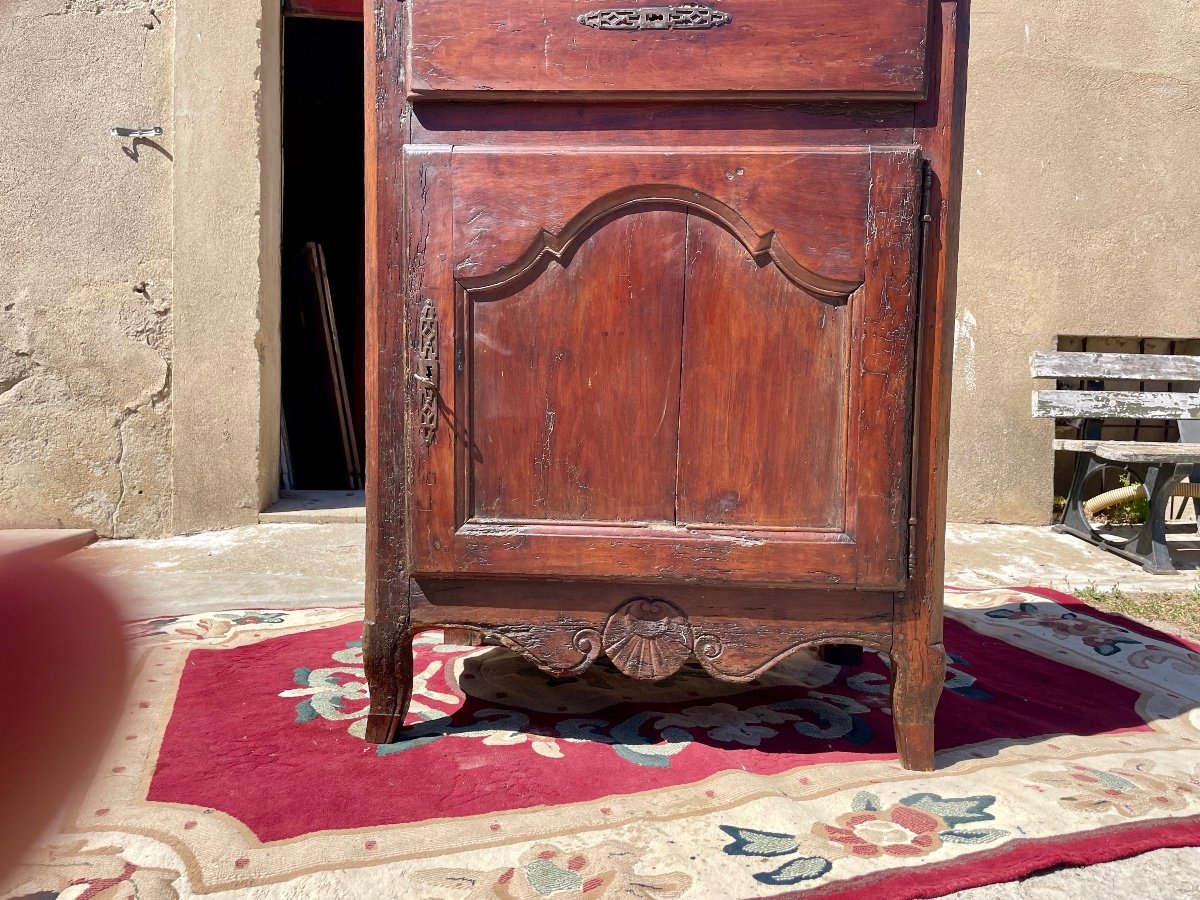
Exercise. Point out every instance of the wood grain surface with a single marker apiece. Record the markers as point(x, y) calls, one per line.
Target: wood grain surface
point(762, 432)
point(659, 124)
point(1115, 405)
point(652, 385)
point(805, 206)
point(574, 380)
point(1135, 451)
point(1125, 366)
point(753, 257)
point(844, 47)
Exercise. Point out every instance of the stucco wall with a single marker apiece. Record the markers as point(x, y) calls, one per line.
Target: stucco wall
point(1080, 205)
point(85, 265)
point(139, 295)
point(139, 280)
point(225, 452)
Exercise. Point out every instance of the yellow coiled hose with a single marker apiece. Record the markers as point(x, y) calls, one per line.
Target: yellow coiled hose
point(1133, 492)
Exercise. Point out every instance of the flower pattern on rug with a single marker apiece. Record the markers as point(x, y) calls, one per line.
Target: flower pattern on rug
point(1103, 637)
point(96, 873)
point(340, 692)
point(916, 826)
point(822, 824)
point(214, 625)
point(602, 870)
point(1130, 790)
point(648, 738)
point(957, 679)
point(1185, 662)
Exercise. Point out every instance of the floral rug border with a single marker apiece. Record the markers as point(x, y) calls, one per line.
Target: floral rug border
point(726, 796)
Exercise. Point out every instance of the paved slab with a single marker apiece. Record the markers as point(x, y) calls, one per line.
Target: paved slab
point(1172, 874)
point(257, 566)
point(990, 555)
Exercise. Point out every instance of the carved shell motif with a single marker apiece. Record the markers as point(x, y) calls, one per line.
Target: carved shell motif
point(648, 639)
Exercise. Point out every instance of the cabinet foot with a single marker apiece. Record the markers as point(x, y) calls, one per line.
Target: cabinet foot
point(381, 728)
point(389, 666)
point(914, 741)
point(918, 674)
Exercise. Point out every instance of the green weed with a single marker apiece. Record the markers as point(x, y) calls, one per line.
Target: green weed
point(1180, 609)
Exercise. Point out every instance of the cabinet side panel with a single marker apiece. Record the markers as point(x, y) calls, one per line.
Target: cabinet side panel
point(386, 657)
point(939, 122)
point(386, 129)
point(762, 437)
point(575, 379)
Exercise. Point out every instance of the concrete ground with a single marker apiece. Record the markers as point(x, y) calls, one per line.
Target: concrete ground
point(298, 565)
point(987, 555)
point(256, 566)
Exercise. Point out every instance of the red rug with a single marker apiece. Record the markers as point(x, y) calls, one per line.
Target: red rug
point(1066, 736)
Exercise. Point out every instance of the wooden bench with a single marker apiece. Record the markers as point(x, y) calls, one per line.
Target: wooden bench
point(1161, 466)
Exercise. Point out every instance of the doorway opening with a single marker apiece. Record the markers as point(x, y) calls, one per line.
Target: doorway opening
point(323, 383)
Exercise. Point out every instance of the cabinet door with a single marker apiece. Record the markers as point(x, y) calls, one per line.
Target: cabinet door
point(652, 365)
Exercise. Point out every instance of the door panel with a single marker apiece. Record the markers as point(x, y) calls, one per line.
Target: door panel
point(663, 371)
point(807, 207)
point(575, 379)
point(762, 431)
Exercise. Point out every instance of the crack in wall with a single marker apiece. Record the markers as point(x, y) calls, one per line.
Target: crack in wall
point(120, 466)
point(153, 400)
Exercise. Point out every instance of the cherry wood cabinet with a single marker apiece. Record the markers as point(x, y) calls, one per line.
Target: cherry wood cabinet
point(658, 351)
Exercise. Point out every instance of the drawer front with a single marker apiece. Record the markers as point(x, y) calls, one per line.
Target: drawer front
point(858, 48)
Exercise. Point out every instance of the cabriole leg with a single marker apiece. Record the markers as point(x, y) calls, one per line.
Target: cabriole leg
point(387, 654)
point(918, 674)
point(917, 678)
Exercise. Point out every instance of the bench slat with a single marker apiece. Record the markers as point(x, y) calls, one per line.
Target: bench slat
point(1133, 366)
point(1115, 405)
point(1135, 451)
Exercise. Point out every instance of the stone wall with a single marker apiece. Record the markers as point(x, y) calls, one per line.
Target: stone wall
point(1080, 204)
point(85, 265)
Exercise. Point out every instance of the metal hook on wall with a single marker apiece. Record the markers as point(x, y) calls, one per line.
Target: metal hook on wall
point(136, 132)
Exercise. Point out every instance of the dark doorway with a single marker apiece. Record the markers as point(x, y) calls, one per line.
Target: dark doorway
point(323, 383)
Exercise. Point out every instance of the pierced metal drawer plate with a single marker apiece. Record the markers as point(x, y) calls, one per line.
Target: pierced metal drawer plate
point(656, 18)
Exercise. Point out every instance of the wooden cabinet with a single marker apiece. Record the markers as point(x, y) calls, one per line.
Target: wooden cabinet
point(658, 306)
